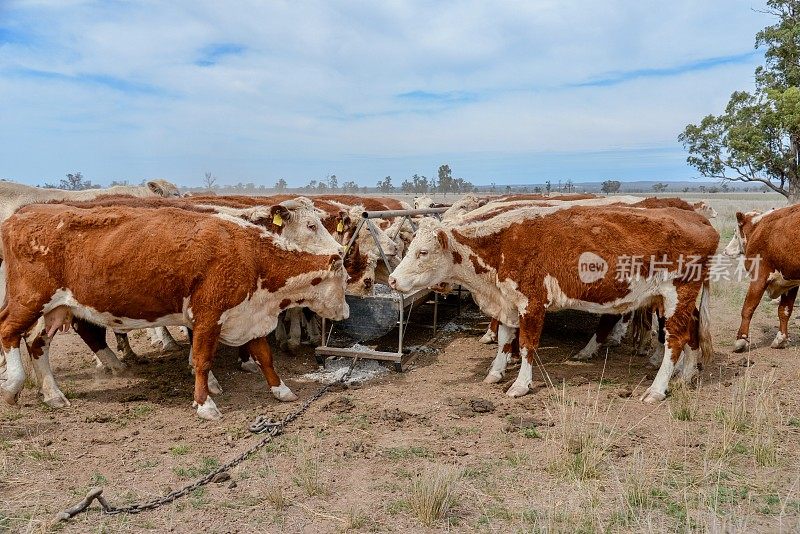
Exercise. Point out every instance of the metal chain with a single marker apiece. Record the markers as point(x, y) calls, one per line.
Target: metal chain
point(262, 424)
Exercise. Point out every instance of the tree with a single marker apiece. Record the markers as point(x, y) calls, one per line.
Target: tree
point(333, 182)
point(610, 186)
point(445, 179)
point(548, 186)
point(73, 182)
point(350, 187)
point(658, 187)
point(385, 185)
point(757, 138)
point(280, 185)
point(210, 181)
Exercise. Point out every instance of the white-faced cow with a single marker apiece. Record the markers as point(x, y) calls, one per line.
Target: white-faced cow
point(225, 278)
point(521, 263)
point(766, 241)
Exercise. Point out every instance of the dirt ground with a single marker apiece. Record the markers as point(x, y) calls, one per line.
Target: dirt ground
point(579, 453)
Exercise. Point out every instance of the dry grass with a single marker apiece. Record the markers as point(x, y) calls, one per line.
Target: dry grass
point(683, 403)
point(433, 494)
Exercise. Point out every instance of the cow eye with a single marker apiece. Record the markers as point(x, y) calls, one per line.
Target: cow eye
point(312, 227)
point(422, 253)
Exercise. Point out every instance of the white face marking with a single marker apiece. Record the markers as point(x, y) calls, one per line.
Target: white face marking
point(426, 263)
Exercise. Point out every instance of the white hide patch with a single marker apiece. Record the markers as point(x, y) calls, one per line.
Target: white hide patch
point(64, 297)
point(641, 293)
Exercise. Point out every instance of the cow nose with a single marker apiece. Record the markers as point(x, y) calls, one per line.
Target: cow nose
point(368, 283)
point(392, 282)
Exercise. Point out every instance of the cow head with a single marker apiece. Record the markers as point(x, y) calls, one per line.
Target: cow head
point(364, 258)
point(328, 291)
point(462, 207)
point(298, 221)
point(745, 222)
point(422, 202)
point(163, 188)
point(428, 261)
point(705, 210)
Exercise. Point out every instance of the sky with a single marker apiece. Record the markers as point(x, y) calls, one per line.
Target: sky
point(253, 91)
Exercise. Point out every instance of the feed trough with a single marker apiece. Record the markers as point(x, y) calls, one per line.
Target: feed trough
point(374, 316)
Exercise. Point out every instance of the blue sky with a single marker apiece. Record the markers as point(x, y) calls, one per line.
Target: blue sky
point(505, 92)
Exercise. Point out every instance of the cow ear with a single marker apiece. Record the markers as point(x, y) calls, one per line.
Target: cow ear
point(740, 218)
point(155, 187)
point(442, 237)
point(280, 214)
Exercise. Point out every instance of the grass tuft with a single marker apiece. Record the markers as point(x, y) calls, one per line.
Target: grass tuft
point(432, 495)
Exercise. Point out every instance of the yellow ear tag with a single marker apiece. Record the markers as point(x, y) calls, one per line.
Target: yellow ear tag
point(276, 220)
point(346, 248)
point(340, 227)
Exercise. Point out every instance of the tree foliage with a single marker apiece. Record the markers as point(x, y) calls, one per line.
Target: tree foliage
point(610, 186)
point(757, 138)
point(73, 182)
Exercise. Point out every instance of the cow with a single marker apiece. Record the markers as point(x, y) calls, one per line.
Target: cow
point(224, 277)
point(611, 329)
point(764, 239)
point(524, 262)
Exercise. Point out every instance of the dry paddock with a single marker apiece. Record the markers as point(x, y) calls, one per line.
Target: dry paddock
point(581, 454)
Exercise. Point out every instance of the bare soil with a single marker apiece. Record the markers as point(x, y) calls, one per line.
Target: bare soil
point(579, 453)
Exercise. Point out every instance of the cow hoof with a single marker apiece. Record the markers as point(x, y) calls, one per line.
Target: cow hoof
point(213, 384)
point(488, 338)
point(172, 347)
point(119, 370)
point(652, 397)
point(208, 410)
point(283, 393)
point(583, 356)
point(517, 390)
point(57, 400)
point(780, 341)
point(493, 377)
point(9, 397)
point(741, 345)
point(251, 366)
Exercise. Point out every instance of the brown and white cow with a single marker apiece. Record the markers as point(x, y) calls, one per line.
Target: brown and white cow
point(225, 278)
point(767, 242)
point(612, 328)
point(524, 262)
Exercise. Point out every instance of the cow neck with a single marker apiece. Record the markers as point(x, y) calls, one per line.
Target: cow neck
point(277, 265)
point(475, 265)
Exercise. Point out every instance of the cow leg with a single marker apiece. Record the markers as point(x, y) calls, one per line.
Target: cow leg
point(39, 350)
point(95, 338)
point(677, 334)
point(657, 340)
point(295, 316)
point(213, 384)
point(280, 331)
point(313, 328)
point(530, 332)
point(505, 340)
point(15, 320)
point(160, 336)
point(124, 347)
point(607, 323)
point(784, 312)
point(620, 330)
point(491, 332)
point(260, 349)
point(204, 345)
point(246, 360)
point(751, 301)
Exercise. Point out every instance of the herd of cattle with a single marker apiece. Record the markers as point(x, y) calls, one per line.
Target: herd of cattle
point(232, 269)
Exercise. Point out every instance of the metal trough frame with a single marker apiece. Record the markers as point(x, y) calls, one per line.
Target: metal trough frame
point(399, 358)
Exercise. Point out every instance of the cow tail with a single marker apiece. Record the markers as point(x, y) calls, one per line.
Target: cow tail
point(704, 325)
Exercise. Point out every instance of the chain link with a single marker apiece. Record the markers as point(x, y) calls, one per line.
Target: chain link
point(261, 425)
